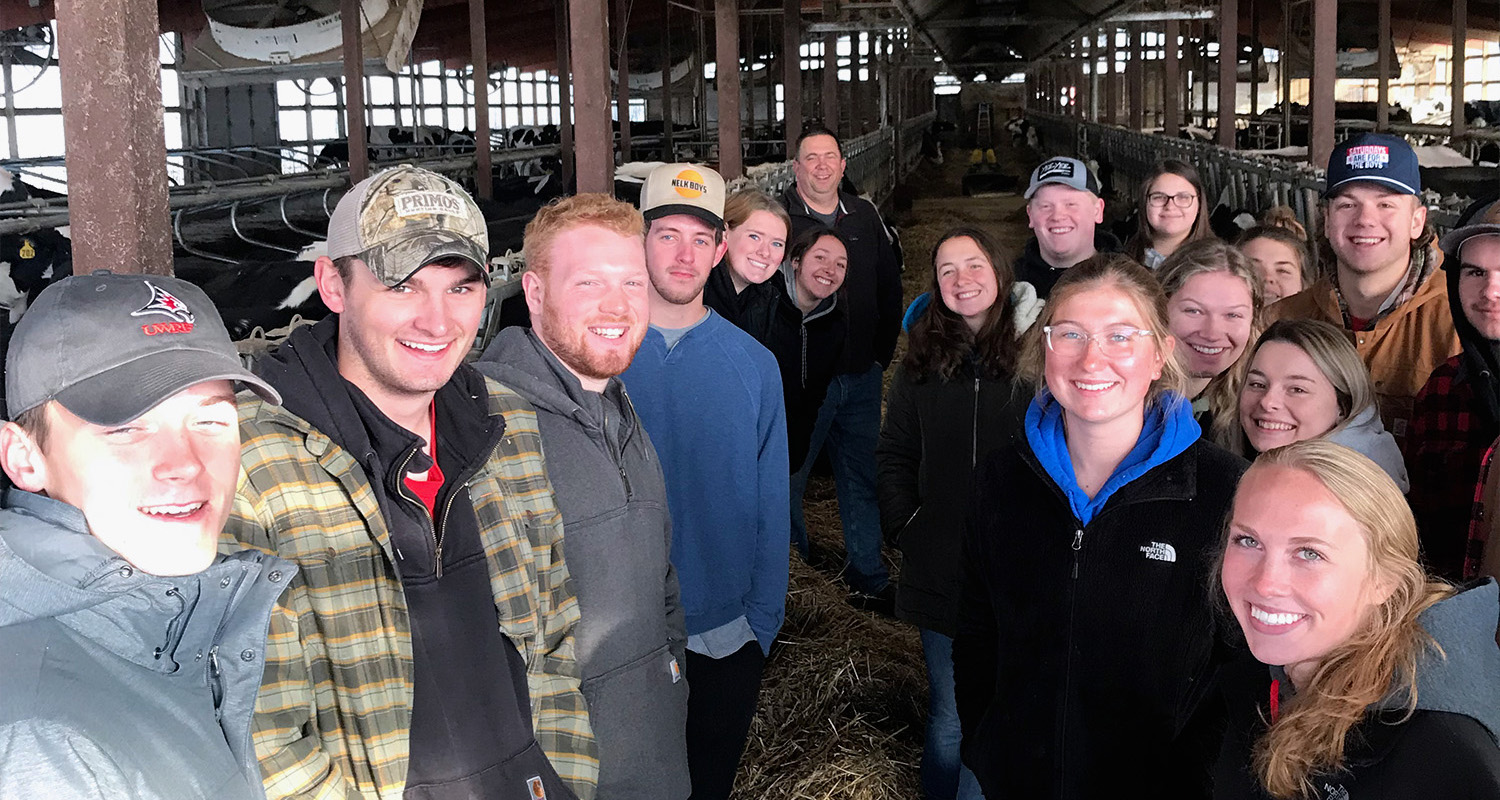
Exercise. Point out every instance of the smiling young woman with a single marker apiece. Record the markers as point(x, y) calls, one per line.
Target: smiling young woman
point(1170, 213)
point(1089, 544)
point(1381, 678)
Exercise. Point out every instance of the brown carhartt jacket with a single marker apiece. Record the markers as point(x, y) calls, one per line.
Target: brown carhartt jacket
point(1401, 350)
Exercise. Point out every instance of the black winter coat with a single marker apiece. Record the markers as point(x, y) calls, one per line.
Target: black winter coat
point(752, 310)
point(1031, 268)
point(1084, 651)
point(936, 433)
point(872, 286)
point(807, 348)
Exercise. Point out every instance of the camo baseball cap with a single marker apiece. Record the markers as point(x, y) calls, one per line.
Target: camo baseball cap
point(110, 347)
point(404, 218)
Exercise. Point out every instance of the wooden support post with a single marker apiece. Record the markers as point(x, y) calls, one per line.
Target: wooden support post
point(593, 138)
point(564, 93)
point(727, 77)
point(484, 175)
point(1285, 76)
point(1325, 53)
point(1383, 67)
point(791, 72)
point(1111, 88)
point(354, 90)
point(622, 75)
point(667, 115)
point(1229, 50)
point(1136, 77)
point(1257, 57)
point(831, 81)
point(1460, 48)
point(112, 122)
point(1171, 86)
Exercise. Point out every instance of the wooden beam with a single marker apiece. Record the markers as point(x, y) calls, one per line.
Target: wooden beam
point(1460, 49)
point(667, 114)
point(791, 72)
point(593, 137)
point(727, 76)
point(354, 90)
point(1383, 67)
point(1325, 53)
point(1171, 84)
point(831, 82)
point(484, 177)
point(622, 75)
point(1111, 87)
point(564, 92)
point(112, 122)
point(1229, 36)
point(1136, 77)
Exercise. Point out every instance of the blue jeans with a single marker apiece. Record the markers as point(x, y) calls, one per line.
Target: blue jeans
point(944, 777)
point(849, 422)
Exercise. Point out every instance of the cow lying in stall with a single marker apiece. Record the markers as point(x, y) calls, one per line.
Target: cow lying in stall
point(400, 142)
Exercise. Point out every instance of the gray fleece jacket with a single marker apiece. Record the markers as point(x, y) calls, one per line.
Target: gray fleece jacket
point(1365, 435)
point(617, 534)
point(119, 684)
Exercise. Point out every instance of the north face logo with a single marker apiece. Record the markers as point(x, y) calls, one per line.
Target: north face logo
point(1159, 551)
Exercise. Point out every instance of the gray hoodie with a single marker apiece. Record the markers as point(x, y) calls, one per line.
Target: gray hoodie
point(617, 534)
point(119, 684)
point(1365, 435)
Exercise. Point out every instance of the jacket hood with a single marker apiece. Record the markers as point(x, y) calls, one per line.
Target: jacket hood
point(519, 360)
point(1462, 679)
point(1481, 356)
point(789, 283)
point(1023, 297)
point(51, 567)
point(1366, 435)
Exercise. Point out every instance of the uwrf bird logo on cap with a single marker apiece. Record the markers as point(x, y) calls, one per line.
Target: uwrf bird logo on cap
point(166, 304)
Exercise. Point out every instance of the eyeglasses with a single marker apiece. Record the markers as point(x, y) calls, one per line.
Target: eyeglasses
point(1071, 341)
point(1183, 200)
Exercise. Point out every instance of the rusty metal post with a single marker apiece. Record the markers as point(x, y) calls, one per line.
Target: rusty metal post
point(354, 91)
point(116, 155)
point(1136, 78)
point(1171, 85)
point(484, 176)
point(1229, 56)
point(1460, 50)
point(1284, 76)
point(1325, 53)
point(593, 137)
point(622, 75)
point(564, 93)
point(1383, 67)
point(1111, 88)
point(791, 72)
point(1257, 55)
point(727, 77)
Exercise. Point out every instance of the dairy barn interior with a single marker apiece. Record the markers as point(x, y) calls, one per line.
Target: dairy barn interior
point(212, 139)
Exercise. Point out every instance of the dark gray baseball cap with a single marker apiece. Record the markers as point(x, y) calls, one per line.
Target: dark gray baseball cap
point(110, 347)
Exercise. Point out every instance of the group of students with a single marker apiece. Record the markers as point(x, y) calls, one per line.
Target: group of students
point(1109, 594)
point(383, 571)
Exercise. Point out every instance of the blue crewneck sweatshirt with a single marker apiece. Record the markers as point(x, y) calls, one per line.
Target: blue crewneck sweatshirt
point(1169, 430)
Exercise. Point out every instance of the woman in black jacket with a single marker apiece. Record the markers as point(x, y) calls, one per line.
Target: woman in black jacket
point(951, 401)
point(807, 332)
point(1085, 633)
point(741, 287)
point(1383, 682)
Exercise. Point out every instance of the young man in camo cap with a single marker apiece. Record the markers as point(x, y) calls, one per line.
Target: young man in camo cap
point(428, 647)
point(130, 651)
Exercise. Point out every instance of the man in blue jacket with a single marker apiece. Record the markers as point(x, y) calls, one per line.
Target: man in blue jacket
point(130, 652)
point(710, 397)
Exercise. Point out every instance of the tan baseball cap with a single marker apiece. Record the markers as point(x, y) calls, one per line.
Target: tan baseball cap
point(691, 189)
point(405, 218)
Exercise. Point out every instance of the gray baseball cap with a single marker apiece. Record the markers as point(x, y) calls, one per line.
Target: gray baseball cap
point(400, 220)
point(110, 347)
point(1486, 222)
point(1069, 172)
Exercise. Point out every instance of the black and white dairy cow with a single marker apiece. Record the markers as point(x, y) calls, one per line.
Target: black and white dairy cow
point(398, 142)
point(29, 262)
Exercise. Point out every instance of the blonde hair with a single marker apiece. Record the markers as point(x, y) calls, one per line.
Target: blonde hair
point(740, 205)
point(566, 213)
point(1199, 258)
point(1285, 218)
point(1104, 271)
point(1378, 662)
point(1333, 355)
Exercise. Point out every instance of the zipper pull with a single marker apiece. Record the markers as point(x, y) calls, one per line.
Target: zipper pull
point(1077, 540)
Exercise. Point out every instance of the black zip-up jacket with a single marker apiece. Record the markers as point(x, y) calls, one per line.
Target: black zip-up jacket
point(1445, 749)
point(752, 310)
point(935, 435)
point(470, 729)
point(872, 286)
point(808, 348)
point(1030, 267)
point(1084, 651)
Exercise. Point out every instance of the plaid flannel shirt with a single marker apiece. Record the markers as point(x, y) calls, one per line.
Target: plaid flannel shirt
point(334, 709)
point(1446, 455)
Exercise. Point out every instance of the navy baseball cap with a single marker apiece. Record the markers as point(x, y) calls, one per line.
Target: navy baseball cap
point(1378, 157)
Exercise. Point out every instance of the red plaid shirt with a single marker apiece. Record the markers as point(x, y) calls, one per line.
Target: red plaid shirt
point(1447, 453)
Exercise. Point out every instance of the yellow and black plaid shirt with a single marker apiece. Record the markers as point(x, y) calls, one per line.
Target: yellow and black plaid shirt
point(335, 704)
